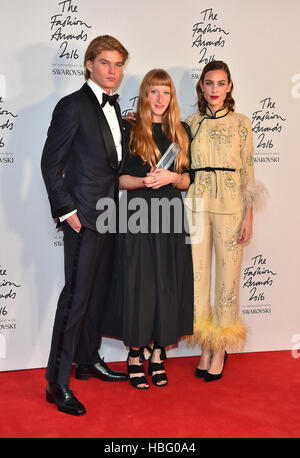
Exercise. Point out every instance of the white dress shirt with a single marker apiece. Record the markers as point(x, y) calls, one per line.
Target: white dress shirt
point(111, 116)
point(112, 119)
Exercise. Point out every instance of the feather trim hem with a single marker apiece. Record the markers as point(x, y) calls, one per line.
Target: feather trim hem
point(255, 195)
point(207, 334)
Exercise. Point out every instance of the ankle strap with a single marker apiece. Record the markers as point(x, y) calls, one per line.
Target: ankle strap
point(162, 350)
point(135, 353)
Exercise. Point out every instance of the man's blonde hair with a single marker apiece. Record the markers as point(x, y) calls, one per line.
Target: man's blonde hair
point(103, 43)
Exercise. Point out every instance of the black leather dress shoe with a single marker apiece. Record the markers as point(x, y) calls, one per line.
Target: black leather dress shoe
point(64, 399)
point(99, 370)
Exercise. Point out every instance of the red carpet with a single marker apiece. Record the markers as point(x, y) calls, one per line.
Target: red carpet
point(258, 396)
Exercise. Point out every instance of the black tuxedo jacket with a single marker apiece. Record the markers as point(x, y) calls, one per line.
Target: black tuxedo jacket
point(79, 161)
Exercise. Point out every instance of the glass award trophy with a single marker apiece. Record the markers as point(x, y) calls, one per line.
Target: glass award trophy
point(169, 156)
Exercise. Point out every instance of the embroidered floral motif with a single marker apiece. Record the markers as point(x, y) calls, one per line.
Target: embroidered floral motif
point(250, 160)
point(203, 183)
point(243, 132)
point(227, 302)
point(197, 163)
point(229, 239)
point(229, 181)
point(231, 243)
point(221, 134)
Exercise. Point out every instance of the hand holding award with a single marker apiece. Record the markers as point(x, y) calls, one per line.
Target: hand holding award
point(160, 175)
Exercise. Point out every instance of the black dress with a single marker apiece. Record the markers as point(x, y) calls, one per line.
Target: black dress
point(152, 290)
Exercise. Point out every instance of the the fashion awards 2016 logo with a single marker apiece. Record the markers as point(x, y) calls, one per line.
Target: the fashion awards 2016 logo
point(267, 124)
point(7, 125)
point(131, 105)
point(257, 279)
point(8, 293)
point(68, 31)
point(208, 37)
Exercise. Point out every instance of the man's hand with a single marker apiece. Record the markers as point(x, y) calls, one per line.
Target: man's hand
point(74, 222)
point(130, 116)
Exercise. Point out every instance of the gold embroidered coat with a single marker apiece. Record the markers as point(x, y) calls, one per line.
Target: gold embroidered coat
point(222, 141)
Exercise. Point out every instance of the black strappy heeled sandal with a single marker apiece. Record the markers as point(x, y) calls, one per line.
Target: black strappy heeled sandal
point(155, 367)
point(136, 369)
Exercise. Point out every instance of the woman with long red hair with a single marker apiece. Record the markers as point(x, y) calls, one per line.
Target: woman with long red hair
point(154, 273)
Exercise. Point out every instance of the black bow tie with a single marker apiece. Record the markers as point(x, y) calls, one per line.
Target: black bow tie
point(109, 98)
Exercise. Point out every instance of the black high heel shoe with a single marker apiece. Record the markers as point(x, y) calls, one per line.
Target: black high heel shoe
point(201, 372)
point(155, 367)
point(137, 369)
point(212, 377)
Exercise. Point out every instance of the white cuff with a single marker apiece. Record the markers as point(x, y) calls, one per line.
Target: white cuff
point(66, 216)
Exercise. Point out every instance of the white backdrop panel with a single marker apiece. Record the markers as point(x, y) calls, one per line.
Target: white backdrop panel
point(41, 57)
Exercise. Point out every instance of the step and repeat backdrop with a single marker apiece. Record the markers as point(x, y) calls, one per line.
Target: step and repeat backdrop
point(41, 60)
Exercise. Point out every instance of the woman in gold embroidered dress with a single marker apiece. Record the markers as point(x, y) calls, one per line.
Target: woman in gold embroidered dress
point(222, 159)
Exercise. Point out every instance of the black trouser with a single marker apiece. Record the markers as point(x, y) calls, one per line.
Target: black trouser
point(76, 333)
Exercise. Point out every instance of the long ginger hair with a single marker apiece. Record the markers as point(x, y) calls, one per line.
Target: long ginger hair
point(141, 140)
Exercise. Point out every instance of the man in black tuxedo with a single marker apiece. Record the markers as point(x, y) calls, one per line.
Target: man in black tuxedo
point(81, 162)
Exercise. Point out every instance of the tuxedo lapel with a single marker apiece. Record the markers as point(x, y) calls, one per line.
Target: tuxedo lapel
point(119, 116)
point(104, 128)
